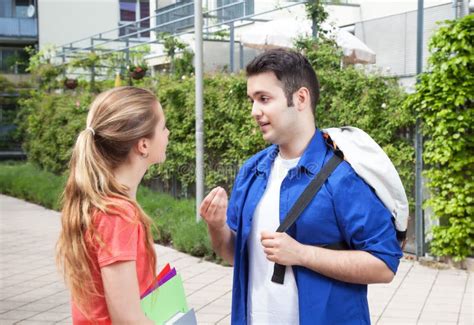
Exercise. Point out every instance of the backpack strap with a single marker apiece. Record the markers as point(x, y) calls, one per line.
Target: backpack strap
point(301, 204)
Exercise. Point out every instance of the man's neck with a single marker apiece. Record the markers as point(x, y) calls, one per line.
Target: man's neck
point(295, 147)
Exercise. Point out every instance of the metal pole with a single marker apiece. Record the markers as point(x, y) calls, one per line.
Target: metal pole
point(138, 17)
point(315, 23)
point(241, 55)
point(64, 63)
point(92, 85)
point(232, 46)
point(198, 56)
point(419, 222)
point(127, 62)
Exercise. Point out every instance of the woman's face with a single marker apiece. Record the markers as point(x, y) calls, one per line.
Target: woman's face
point(159, 142)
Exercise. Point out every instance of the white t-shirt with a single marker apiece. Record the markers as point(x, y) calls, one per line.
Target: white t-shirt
point(269, 302)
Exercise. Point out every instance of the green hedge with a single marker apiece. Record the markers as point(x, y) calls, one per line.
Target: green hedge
point(174, 220)
point(32, 184)
point(348, 97)
point(444, 102)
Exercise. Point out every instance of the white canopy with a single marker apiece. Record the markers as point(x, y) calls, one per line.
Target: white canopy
point(284, 32)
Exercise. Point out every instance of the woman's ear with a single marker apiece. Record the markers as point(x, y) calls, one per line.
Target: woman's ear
point(143, 147)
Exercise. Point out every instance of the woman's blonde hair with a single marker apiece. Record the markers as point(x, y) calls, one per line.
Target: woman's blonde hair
point(117, 119)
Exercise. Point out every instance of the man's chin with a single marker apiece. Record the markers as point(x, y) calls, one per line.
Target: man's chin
point(268, 138)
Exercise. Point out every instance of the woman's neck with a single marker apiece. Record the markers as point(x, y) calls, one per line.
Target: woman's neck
point(130, 175)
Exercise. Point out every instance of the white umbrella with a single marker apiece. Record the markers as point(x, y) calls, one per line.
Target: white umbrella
point(284, 32)
point(355, 51)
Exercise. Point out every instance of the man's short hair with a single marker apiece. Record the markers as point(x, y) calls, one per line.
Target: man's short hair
point(291, 68)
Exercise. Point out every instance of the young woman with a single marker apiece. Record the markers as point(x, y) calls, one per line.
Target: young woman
point(105, 249)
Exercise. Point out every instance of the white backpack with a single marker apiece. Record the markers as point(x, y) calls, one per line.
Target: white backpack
point(372, 164)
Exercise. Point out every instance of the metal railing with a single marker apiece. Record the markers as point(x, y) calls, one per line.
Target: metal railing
point(214, 21)
point(18, 27)
point(98, 41)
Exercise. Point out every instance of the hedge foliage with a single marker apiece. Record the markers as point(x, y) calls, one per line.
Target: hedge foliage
point(348, 97)
point(444, 101)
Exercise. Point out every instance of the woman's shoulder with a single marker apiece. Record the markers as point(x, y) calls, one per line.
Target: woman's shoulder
point(117, 207)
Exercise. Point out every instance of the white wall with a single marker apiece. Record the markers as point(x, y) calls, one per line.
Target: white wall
point(370, 9)
point(64, 21)
point(393, 39)
point(163, 3)
point(355, 11)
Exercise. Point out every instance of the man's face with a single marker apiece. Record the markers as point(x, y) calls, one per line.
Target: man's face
point(270, 109)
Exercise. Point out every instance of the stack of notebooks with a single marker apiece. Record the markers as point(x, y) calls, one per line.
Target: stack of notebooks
point(164, 302)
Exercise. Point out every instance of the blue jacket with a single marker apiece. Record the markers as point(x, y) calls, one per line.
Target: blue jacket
point(345, 209)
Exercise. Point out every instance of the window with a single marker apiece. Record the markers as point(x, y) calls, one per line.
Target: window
point(21, 8)
point(236, 11)
point(128, 13)
point(168, 15)
point(13, 60)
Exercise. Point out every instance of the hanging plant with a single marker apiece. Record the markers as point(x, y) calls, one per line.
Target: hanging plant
point(138, 71)
point(70, 83)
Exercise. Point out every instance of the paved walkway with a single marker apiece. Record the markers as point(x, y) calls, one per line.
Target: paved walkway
point(32, 292)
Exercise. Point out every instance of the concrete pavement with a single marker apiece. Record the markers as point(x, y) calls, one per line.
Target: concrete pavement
point(32, 292)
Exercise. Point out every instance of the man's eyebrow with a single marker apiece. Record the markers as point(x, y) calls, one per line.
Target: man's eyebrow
point(258, 92)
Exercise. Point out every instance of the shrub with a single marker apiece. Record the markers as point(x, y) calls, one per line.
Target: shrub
point(444, 103)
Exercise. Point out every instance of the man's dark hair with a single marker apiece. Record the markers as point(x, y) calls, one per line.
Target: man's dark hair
point(291, 68)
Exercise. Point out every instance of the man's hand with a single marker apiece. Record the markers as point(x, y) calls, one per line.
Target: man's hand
point(282, 248)
point(214, 211)
point(214, 208)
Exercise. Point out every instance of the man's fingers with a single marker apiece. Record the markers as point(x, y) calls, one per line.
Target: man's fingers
point(269, 251)
point(215, 203)
point(221, 194)
point(267, 235)
point(207, 201)
point(271, 258)
point(268, 243)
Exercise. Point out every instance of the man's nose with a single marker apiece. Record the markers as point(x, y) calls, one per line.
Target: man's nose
point(256, 111)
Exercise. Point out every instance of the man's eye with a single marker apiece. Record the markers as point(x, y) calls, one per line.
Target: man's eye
point(264, 99)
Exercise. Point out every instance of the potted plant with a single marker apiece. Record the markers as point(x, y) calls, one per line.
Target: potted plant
point(138, 71)
point(70, 83)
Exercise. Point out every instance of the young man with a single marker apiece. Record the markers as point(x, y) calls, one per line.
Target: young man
point(321, 286)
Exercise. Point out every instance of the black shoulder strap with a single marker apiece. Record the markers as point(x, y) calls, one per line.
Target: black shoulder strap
point(301, 204)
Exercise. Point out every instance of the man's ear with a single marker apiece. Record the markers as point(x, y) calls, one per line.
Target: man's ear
point(302, 99)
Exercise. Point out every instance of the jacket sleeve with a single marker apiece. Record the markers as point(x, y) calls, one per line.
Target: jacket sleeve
point(366, 224)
